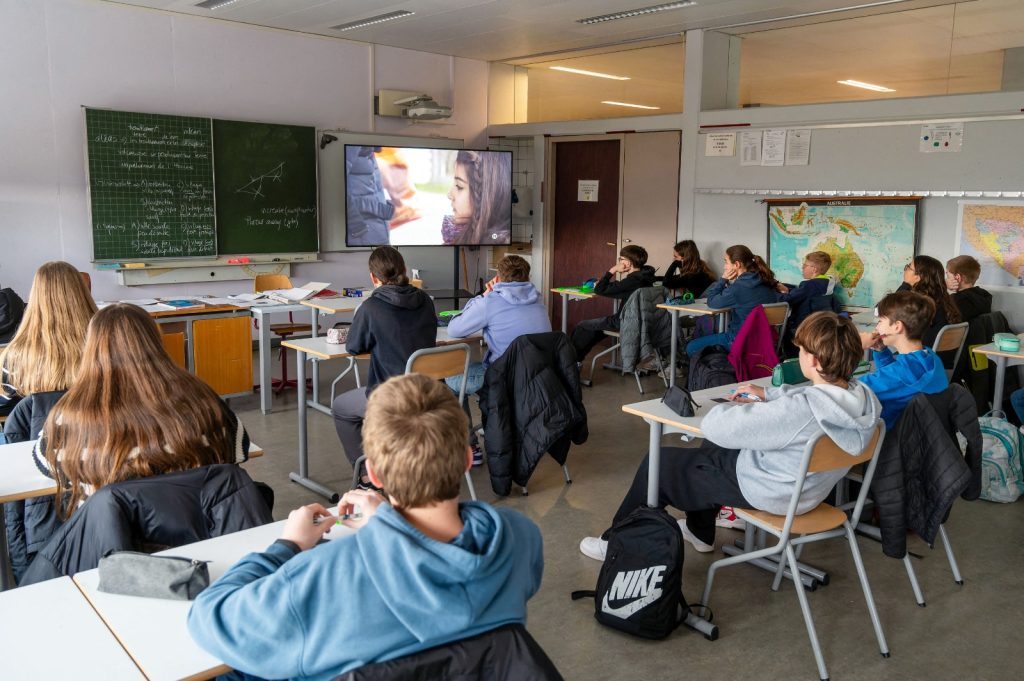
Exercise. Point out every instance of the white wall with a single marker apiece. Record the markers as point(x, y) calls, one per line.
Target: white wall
point(59, 55)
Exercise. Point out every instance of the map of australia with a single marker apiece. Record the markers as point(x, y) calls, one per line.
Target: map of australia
point(869, 244)
point(994, 234)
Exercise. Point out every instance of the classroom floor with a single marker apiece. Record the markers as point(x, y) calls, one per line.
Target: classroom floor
point(972, 631)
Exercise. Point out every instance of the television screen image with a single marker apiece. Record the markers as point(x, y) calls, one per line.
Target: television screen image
point(410, 196)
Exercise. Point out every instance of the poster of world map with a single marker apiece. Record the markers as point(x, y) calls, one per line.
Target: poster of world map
point(869, 241)
point(993, 233)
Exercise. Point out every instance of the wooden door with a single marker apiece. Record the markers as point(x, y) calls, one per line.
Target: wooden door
point(585, 233)
point(650, 194)
point(222, 353)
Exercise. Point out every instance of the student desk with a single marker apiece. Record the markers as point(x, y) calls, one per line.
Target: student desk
point(49, 629)
point(328, 306)
point(568, 293)
point(261, 313)
point(155, 631)
point(696, 308)
point(1003, 359)
point(318, 350)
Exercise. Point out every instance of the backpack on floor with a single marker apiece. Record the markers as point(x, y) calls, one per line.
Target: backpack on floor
point(639, 588)
point(710, 368)
point(1001, 477)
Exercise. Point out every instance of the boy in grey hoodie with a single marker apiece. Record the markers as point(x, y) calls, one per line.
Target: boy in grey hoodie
point(751, 452)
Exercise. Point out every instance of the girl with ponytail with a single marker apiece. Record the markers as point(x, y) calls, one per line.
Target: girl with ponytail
point(746, 283)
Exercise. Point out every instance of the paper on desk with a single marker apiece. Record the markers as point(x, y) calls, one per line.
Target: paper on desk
point(158, 307)
point(222, 301)
point(141, 302)
point(247, 297)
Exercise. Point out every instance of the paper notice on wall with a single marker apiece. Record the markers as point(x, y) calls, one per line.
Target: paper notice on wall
point(720, 144)
point(750, 148)
point(773, 148)
point(939, 137)
point(587, 190)
point(798, 147)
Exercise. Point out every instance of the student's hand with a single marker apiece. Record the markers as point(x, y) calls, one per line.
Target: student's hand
point(306, 525)
point(363, 502)
point(748, 389)
point(870, 340)
point(616, 268)
point(489, 286)
point(731, 273)
point(782, 288)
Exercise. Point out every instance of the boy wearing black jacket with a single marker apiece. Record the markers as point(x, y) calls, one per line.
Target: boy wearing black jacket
point(962, 273)
point(633, 263)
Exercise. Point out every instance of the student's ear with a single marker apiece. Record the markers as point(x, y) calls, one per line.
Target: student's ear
point(374, 280)
point(372, 474)
point(899, 327)
point(469, 458)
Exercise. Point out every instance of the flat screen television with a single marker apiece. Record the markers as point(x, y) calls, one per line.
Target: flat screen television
point(413, 196)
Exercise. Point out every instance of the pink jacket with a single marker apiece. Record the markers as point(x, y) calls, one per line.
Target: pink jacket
point(753, 351)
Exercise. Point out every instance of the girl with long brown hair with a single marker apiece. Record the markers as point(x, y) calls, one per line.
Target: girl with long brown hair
point(924, 274)
point(481, 197)
point(133, 413)
point(746, 282)
point(44, 354)
point(694, 275)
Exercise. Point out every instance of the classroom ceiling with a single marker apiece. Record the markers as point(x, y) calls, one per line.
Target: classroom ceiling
point(501, 30)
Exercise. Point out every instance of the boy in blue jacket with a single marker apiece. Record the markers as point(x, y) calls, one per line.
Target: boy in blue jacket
point(810, 293)
point(423, 569)
point(903, 318)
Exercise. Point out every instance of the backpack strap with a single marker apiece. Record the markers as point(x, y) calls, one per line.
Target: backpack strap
point(576, 595)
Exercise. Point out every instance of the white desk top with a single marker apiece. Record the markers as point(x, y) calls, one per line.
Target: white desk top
point(19, 477)
point(697, 307)
point(52, 621)
point(990, 350)
point(155, 631)
point(655, 410)
point(278, 308)
point(334, 305)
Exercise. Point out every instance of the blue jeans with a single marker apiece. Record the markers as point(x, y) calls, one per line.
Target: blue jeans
point(3, 438)
point(698, 344)
point(474, 379)
point(1017, 400)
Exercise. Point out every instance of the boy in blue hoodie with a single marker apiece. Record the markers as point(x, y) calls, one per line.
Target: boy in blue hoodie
point(809, 296)
point(422, 571)
point(903, 317)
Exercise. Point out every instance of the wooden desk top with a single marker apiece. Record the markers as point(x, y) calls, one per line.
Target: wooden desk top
point(334, 305)
point(318, 347)
point(19, 477)
point(573, 294)
point(697, 307)
point(51, 620)
point(206, 309)
point(990, 350)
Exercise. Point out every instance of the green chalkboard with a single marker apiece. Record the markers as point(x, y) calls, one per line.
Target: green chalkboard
point(150, 185)
point(266, 187)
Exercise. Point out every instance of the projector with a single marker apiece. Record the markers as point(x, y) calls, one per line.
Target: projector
point(423, 108)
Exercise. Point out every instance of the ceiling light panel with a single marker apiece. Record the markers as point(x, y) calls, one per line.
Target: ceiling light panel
point(379, 19)
point(215, 4)
point(582, 72)
point(638, 12)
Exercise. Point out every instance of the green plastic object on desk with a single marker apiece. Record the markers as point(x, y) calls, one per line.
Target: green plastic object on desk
point(787, 372)
point(449, 313)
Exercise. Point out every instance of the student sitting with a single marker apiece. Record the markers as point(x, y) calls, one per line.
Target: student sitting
point(751, 452)
point(510, 307)
point(688, 273)
point(962, 274)
point(902, 319)
point(395, 321)
point(423, 570)
point(133, 413)
point(924, 274)
point(746, 283)
point(816, 283)
point(44, 354)
point(633, 263)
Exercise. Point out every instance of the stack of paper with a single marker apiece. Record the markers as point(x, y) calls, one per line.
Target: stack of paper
point(294, 295)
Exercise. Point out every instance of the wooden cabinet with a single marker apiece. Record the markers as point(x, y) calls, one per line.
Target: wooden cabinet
point(222, 353)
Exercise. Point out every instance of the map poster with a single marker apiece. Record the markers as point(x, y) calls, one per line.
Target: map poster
point(993, 233)
point(869, 241)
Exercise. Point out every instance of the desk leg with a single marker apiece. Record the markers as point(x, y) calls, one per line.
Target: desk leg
point(997, 396)
point(723, 322)
point(6, 576)
point(565, 313)
point(316, 365)
point(266, 389)
point(675, 343)
point(302, 477)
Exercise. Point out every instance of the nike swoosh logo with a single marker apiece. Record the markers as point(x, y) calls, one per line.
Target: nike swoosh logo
point(626, 611)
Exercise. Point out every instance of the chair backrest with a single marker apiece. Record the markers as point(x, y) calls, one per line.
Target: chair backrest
point(827, 456)
point(951, 337)
point(441, 362)
point(777, 313)
point(507, 653)
point(270, 282)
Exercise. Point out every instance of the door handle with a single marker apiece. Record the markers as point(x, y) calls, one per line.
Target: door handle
point(608, 243)
point(627, 241)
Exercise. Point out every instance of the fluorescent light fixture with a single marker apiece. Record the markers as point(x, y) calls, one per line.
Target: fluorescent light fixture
point(215, 4)
point(379, 19)
point(639, 11)
point(595, 74)
point(632, 106)
point(866, 86)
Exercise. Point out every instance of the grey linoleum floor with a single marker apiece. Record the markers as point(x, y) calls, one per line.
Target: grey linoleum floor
point(974, 631)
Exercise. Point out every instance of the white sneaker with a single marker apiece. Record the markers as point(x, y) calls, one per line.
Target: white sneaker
point(594, 547)
point(700, 546)
point(727, 518)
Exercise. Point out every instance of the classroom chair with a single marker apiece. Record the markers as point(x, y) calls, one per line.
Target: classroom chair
point(778, 319)
point(646, 337)
point(438, 363)
point(507, 653)
point(951, 337)
point(272, 282)
point(823, 522)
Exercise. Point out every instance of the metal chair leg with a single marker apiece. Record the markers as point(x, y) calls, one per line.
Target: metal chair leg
point(636, 375)
point(355, 470)
point(949, 554)
point(858, 562)
point(472, 490)
point(593, 364)
point(918, 596)
point(343, 374)
point(812, 634)
point(565, 472)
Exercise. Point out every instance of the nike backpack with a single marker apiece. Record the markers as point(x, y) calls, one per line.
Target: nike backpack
point(639, 588)
point(1001, 476)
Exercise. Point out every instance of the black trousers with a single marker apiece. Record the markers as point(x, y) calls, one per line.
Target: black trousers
point(590, 332)
point(698, 481)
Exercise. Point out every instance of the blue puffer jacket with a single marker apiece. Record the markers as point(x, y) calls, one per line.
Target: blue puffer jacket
point(741, 296)
point(368, 210)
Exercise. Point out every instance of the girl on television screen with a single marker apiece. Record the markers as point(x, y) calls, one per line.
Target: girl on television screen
point(481, 197)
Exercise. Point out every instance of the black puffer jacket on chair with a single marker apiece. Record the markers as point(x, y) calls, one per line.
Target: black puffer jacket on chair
point(532, 404)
